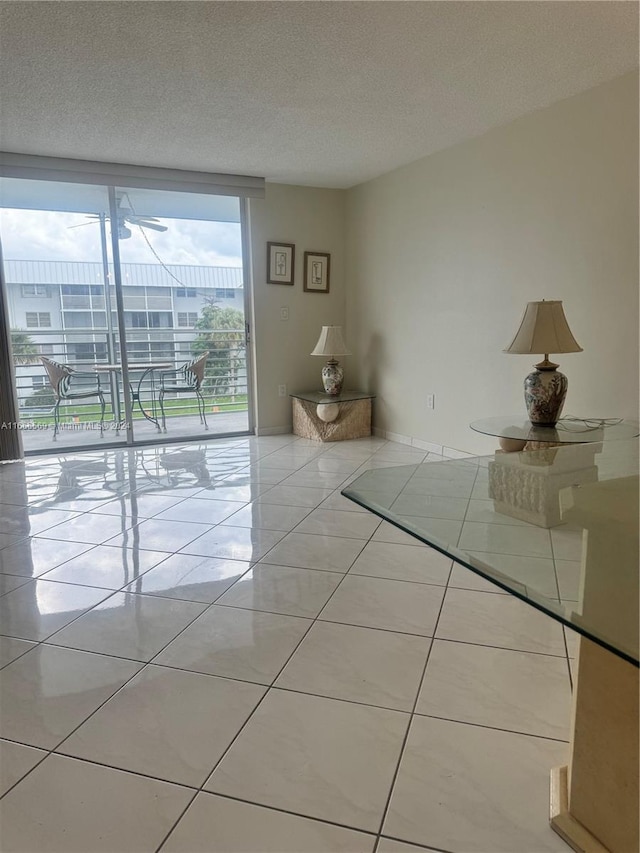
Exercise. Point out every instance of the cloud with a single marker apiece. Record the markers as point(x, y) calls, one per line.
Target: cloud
point(60, 236)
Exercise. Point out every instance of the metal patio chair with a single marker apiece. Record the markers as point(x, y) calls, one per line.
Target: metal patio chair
point(71, 384)
point(187, 378)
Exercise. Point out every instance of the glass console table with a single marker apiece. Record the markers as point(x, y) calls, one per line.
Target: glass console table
point(452, 506)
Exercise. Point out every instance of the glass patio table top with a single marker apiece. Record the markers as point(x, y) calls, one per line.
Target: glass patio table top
point(578, 562)
point(566, 431)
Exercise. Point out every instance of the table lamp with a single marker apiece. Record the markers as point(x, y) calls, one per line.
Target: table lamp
point(330, 344)
point(543, 330)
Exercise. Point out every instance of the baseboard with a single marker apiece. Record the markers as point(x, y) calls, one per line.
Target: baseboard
point(452, 453)
point(418, 443)
point(280, 430)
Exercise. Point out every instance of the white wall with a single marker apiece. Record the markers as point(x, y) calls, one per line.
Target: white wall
point(312, 219)
point(443, 254)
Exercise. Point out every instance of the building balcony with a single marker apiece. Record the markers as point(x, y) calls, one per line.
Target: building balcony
point(224, 388)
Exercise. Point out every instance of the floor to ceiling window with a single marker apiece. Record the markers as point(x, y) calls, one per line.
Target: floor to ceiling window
point(127, 308)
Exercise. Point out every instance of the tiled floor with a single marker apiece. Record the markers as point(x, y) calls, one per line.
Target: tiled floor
point(208, 648)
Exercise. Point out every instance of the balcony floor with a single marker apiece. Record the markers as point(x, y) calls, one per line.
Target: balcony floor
point(87, 436)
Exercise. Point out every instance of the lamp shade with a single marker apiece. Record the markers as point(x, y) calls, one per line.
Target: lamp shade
point(544, 329)
point(331, 342)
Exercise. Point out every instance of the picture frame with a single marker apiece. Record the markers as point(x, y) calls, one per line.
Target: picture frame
point(317, 272)
point(281, 260)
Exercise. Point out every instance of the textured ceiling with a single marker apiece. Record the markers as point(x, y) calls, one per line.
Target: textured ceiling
point(316, 93)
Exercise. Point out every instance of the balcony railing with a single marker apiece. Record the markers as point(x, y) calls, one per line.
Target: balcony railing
point(224, 388)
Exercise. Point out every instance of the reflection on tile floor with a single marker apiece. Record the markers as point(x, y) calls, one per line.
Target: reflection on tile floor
point(207, 648)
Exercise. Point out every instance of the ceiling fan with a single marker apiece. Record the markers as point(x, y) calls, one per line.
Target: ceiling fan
point(126, 215)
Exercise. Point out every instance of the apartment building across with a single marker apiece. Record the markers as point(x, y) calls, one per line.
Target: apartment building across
point(61, 307)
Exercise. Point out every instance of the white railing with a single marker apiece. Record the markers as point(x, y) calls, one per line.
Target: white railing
point(224, 387)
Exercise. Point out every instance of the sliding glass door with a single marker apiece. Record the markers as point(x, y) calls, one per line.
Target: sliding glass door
point(127, 309)
point(183, 292)
point(57, 274)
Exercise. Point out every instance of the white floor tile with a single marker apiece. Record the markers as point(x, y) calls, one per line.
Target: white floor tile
point(83, 807)
point(215, 824)
point(266, 516)
point(11, 649)
point(569, 574)
point(27, 521)
point(138, 505)
point(202, 511)
point(10, 582)
point(467, 788)
point(567, 543)
point(389, 845)
point(16, 761)
point(463, 578)
point(190, 578)
point(446, 529)
point(282, 589)
point(311, 551)
point(295, 496)
point(410, 608)
point(358, 664)
point(536, 573)
point(505, 539)
point(243, 644)
point(38, 609)
point(234, 543)
point(402, 562)
point(225, 492)
point(46, 693)
point(500, 688)
point(166, 723)
point(33, 557)
point(328, 522)
point(129, 626)
point(483, 511)
point(89, 528)
point(315, 479)
point(498, 620)
point(106, 567)
point(431, 506)
point(338, 501)
point(182, 600)
point(155, 535)
point(317, 757)
point(259, 474)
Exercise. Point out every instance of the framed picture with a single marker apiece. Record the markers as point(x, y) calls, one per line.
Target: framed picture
point(316, 272)
point(281, 259)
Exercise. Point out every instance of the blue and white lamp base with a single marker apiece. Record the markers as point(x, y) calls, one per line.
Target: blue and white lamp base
point(545, 391)
point(332, 378)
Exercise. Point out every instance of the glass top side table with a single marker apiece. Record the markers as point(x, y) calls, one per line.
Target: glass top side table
point(319, 397)
point(585, 576)
point(331, 417)
point(514, 431)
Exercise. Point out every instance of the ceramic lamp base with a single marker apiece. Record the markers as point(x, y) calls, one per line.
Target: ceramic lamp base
point(332, 378)
point(545, 391)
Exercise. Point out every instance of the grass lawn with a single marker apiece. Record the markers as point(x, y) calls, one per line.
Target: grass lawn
point(79, 413)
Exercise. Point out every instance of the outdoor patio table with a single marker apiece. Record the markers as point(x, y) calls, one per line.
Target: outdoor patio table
point(146, 369)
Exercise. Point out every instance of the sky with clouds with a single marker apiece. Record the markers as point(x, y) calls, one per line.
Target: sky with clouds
point(54, 236)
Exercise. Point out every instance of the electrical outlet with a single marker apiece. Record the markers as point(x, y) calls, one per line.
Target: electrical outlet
point(284, 312)
point(282, 390)
point(431, 401)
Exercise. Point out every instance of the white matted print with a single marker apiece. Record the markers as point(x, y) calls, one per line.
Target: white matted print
point(280, 263)
point(316, 272)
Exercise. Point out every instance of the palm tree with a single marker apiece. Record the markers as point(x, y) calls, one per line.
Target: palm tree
point(25, 350)
point(221, 332)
